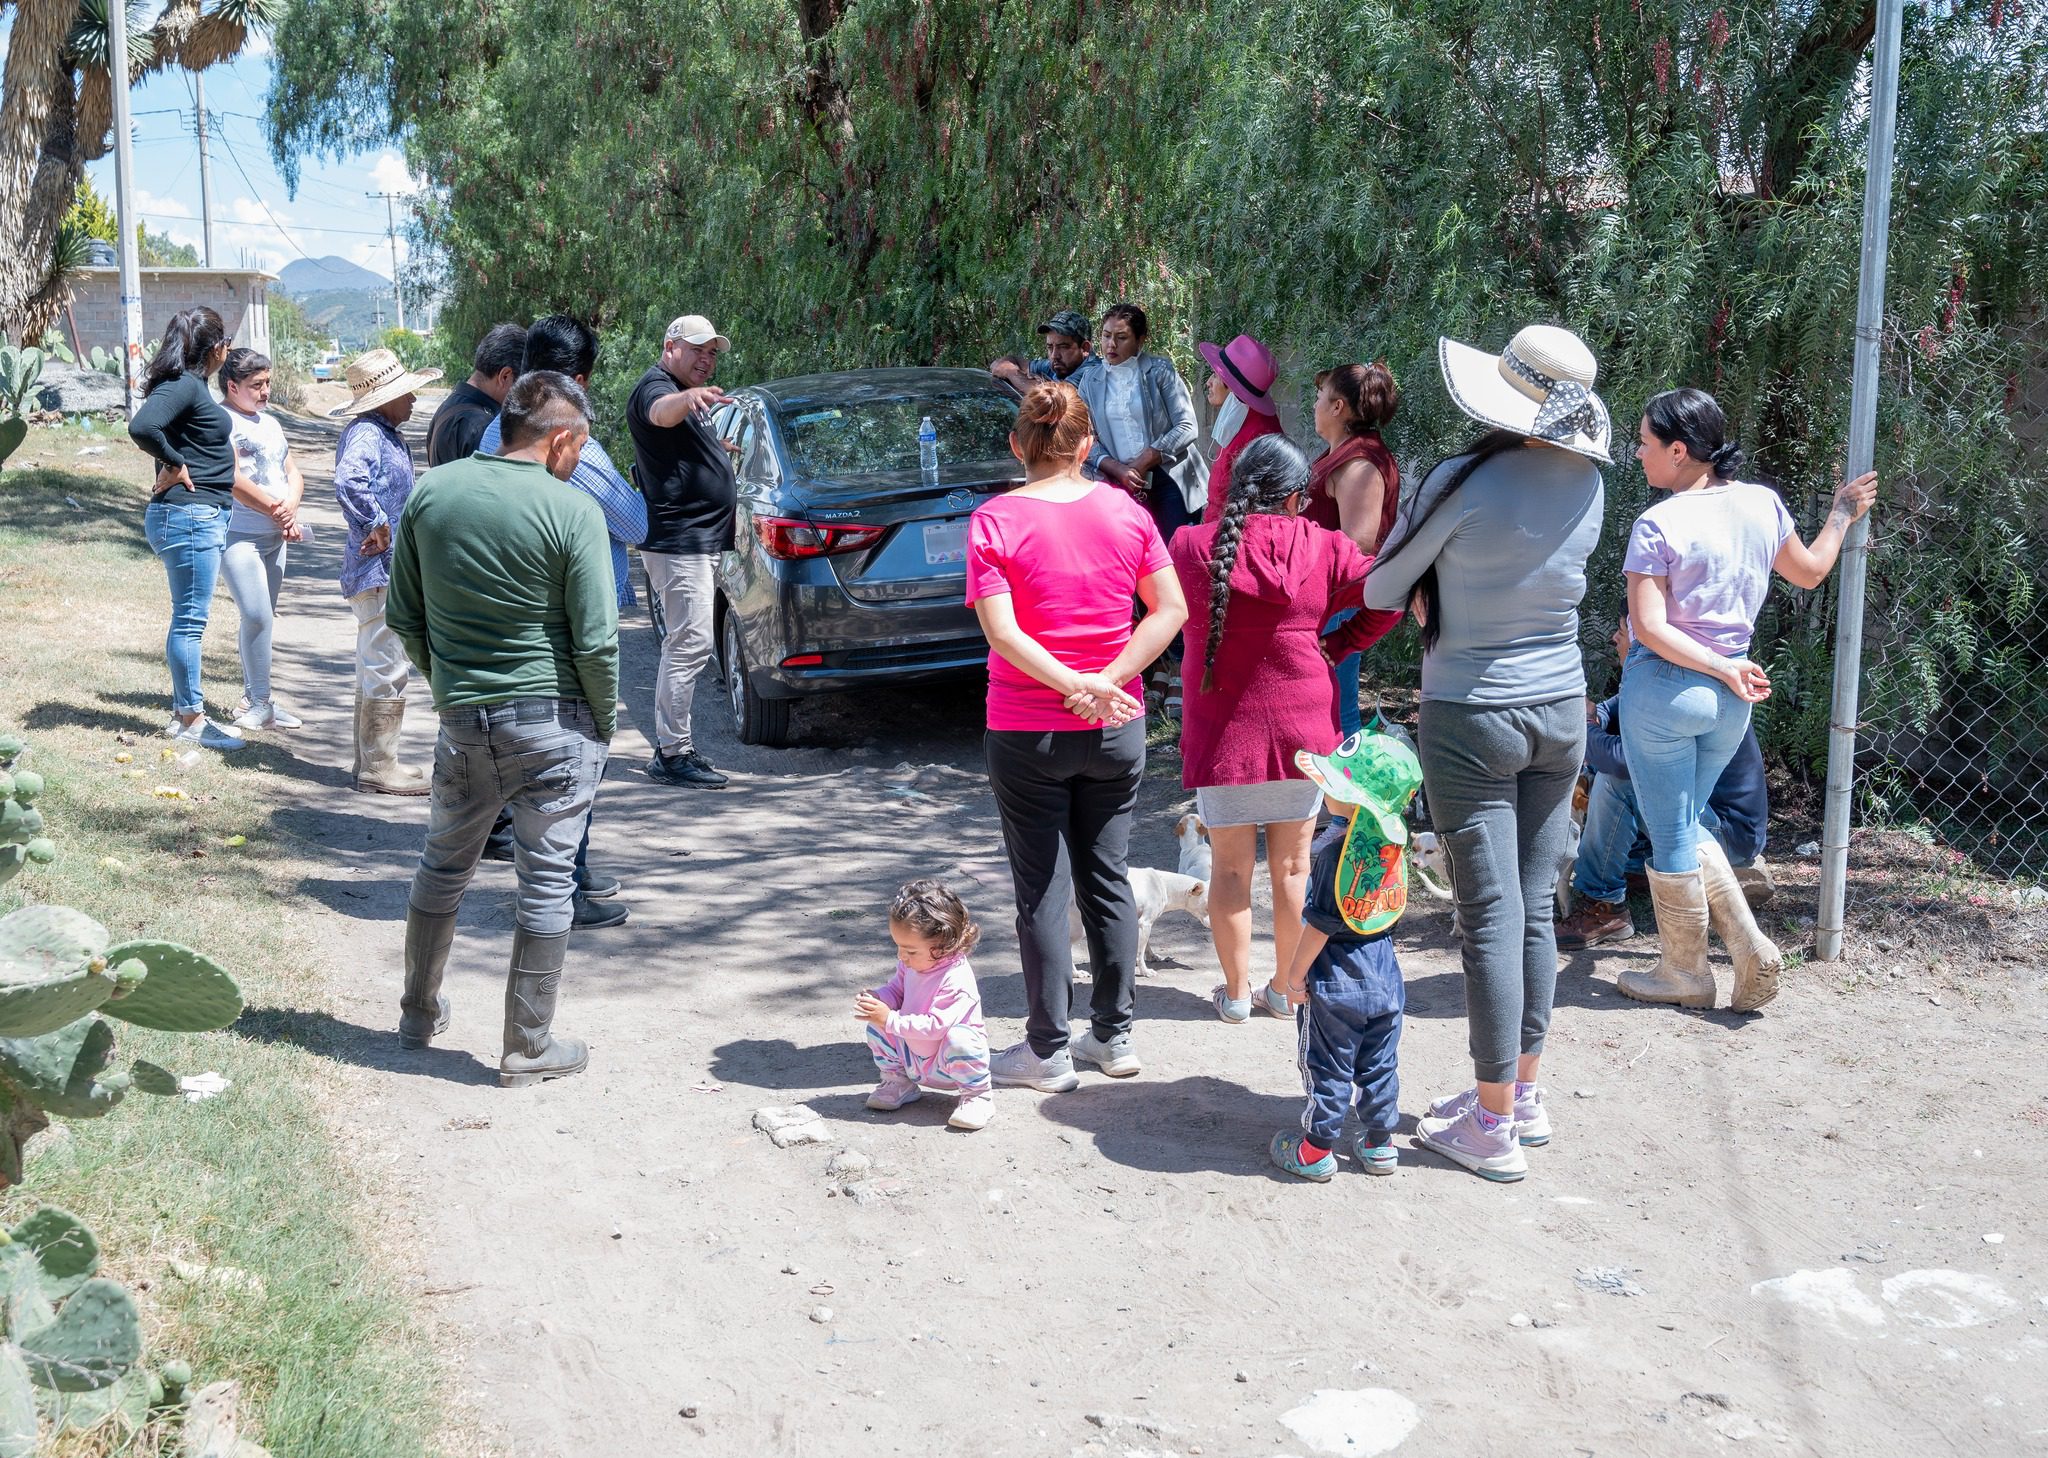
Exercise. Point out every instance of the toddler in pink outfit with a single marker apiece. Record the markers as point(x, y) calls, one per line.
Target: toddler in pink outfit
point(924, 1024)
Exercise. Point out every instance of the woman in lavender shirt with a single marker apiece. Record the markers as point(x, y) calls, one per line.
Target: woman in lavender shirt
point(1699, 563)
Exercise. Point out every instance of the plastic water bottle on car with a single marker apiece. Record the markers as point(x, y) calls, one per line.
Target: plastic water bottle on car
point(928, 451)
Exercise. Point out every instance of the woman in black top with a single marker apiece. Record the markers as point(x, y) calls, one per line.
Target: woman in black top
point(185, 429)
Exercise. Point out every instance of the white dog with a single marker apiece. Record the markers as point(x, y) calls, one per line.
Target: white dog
point(1195, 855)
point(1156, 893)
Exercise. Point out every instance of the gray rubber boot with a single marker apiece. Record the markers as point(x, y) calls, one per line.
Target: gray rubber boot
point(532, 1053)
point(423, 1009)
point(378, 722)
point(1681, 975)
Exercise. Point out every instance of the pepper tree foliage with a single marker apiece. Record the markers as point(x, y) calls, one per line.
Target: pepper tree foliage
point(852, 182)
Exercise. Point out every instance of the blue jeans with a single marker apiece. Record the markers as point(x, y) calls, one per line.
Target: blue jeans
point(1347, 1043)
point(539, 758)
point(1679, 729)
point(1349, 720)
point(188, 538)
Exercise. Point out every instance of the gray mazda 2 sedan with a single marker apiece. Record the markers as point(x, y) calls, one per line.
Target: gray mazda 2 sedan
point(850, 565)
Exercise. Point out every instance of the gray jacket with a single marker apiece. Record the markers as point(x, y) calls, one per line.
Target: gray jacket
point(1169, 423)
point(1510, 552)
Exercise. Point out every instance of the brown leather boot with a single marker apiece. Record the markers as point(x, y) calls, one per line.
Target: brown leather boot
point(1594, 924)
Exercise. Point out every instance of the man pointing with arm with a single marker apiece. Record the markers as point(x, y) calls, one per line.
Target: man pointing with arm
point(684, 472)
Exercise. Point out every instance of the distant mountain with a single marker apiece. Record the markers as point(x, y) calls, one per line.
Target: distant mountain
point(303, 276)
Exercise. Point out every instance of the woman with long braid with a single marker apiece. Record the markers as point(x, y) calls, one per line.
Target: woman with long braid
point(1270, 578)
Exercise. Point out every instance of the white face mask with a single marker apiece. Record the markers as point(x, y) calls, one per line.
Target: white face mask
point(1229, 420)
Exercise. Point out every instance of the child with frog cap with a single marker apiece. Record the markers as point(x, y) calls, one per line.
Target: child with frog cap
point(1345, 981)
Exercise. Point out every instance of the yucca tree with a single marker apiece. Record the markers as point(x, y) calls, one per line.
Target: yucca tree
point(56, 115)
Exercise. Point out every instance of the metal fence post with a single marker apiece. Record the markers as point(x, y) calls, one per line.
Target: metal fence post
point(1877, 206)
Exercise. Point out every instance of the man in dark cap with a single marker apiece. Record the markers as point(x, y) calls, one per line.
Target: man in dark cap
point(1068, 350)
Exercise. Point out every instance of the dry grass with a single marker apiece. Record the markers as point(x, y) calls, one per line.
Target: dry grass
point(329, 1355)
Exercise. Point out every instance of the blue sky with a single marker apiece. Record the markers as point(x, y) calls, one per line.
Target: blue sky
point(253, 216)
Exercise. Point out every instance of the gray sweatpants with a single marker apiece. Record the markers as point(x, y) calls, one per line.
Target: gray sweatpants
point(1500, 792)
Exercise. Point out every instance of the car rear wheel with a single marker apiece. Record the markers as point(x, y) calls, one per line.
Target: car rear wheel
point(755, 720)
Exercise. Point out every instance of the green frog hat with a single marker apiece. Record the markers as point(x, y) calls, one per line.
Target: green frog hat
point(1379, 775)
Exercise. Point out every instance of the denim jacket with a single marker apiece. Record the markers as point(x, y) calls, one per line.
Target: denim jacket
point(1169, 423)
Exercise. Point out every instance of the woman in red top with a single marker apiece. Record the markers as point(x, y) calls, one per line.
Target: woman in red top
point(1241, 390)
point(1051, 570)
point(1354, 487)
point(1271, 579)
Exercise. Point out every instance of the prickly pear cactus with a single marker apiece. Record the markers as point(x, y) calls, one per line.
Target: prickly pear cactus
point(58, 976)
point(21, 824)
point(73, 1340)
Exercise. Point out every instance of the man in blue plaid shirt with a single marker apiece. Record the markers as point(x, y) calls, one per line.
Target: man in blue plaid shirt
point(559, 342)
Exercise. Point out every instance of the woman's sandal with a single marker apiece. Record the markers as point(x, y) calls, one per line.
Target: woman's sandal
point(1266, 1000)
point(1231, 1009)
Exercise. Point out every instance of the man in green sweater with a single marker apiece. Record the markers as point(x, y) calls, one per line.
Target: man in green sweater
point(501, 591)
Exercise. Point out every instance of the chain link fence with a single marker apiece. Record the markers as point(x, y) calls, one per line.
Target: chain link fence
point(1954, 738)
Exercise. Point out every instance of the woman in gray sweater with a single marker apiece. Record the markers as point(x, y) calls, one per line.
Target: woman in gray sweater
point(1493, 559)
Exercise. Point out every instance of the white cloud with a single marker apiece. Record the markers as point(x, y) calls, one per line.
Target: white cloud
point(390, 174)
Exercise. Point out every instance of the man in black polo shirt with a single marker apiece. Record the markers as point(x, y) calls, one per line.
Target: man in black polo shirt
point(472, 405)
point(686, 476)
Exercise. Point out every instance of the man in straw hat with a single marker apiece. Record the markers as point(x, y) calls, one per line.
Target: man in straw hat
point(1498, 540)
point(372, 479)
point(525, 673)
point(681, 466)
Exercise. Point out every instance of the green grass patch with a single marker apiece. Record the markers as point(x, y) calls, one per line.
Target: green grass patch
point(331, 1359)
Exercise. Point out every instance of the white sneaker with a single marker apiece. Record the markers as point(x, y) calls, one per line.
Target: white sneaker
point(266, 715)
point(1019, 1067)
point(973, 1113)
point(1116, 1057)
point(1494, 1154)
point(1532, 1119)
point(203, 733)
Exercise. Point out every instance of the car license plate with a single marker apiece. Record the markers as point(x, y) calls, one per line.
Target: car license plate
point(945, 542)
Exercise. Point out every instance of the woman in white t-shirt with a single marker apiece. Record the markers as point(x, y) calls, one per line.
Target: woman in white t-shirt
point(1699, 563)
point(253, 563)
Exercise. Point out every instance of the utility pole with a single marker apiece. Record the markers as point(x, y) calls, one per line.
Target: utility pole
point(205, 166)
point(391, 229)
point(1877, 211)
point(124, 207)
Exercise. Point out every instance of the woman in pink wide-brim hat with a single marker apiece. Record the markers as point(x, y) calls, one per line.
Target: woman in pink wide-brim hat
point(1241, 379)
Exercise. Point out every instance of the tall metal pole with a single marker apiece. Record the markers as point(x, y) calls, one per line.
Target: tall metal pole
point(124, 206)
point(1877, 211)
point(205, 166)
point(391, 230)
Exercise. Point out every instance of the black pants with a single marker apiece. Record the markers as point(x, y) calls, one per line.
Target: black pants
point(1066, 799)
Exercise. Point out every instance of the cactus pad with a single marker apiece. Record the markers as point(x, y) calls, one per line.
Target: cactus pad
point(185, 991)
point(95, 1339)
point(65, 1252)
point(18, 1435)
point(45, 982)
point(151, 1079)
point(59, 1072)
point(41, 942)
point(27, 785)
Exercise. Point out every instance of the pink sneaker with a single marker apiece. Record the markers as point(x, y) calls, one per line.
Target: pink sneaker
point(893, 1092)
point(1532, 1119)
point(1494, 1154)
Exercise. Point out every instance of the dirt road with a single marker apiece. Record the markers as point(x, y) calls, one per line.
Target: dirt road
point(1817, 1231)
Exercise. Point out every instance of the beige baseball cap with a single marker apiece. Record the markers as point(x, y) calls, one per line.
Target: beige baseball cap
point(695, 329)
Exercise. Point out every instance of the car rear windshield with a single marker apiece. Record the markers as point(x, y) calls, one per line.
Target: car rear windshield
point(871, 437)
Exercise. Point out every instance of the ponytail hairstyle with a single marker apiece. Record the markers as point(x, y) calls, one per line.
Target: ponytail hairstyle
point(241, 364)
point(1262, 477)
point(1052, 422)
point(1694, 419)
point(1489, 445)
point(190, 337)
point(1368, 392)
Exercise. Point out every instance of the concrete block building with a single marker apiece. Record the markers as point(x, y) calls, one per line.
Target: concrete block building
point(241, 296)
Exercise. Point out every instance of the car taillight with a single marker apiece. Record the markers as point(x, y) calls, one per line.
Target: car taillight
point(789, 540)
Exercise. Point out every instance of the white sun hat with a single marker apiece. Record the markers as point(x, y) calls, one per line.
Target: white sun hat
point(1541, 385)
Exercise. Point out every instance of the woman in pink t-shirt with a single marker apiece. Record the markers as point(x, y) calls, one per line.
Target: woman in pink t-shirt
point(1051, 570)
point(1699, 562)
